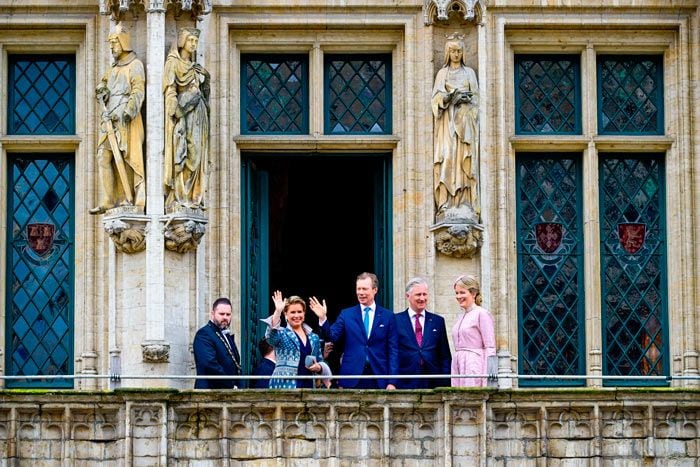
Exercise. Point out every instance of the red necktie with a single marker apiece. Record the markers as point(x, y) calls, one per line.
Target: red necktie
point(419, 330)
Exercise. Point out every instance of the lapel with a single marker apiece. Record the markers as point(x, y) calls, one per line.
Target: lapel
point(292, 336)
point(428, 327)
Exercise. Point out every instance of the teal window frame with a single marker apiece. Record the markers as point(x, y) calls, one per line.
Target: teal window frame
point(641, 256)
point(304, 81)
point(43, 99)
point(547, 262)
point(659, 86)
point(15, 243)
point(329, 102)
point(576, 67)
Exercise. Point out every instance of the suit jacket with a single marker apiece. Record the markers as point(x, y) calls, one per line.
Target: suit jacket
point(434, 351)
point(211, 357)
point(264, 368)
point(380, 350)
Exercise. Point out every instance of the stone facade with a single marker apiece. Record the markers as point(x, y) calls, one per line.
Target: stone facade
point(458, 427)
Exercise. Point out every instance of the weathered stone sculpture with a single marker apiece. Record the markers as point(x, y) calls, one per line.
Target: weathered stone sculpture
point(120, 146)
point(186, 91)
point(455, 105)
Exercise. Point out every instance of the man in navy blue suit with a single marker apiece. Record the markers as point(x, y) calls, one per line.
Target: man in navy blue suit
point(365, 334)
point(215, 351)
point(423, 345)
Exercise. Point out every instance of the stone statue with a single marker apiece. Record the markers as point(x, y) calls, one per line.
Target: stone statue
point(120, 164)
point(186, 91)
point(455, 105)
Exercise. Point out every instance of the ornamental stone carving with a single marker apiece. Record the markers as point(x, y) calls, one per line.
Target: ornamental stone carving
point(117, 8)
point(440, 10)
point(155, 352)
point(126, 230)
point(183, 230)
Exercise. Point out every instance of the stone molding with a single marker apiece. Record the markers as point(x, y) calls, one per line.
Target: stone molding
point(440, 10)
point(126, 229)
point(440, 427)
point(117, 8)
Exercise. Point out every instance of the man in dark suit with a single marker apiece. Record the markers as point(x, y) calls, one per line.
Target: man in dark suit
point(366, 336)
point(215, 351)
point(423, 345)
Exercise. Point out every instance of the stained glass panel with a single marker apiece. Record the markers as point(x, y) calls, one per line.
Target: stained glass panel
point(630, 95)
point(548, 94)
point(39, 325)
point(550, 288)
point(274, 97)
point(633, 273)
point(358, 94)
point(41, 95)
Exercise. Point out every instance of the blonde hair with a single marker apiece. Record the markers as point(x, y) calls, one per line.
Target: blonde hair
point(293, 300)
point(470, 283)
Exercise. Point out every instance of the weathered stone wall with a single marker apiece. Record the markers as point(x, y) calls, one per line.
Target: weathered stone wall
point(451, 427)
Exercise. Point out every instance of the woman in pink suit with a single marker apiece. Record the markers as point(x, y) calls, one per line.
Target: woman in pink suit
point(473, 336)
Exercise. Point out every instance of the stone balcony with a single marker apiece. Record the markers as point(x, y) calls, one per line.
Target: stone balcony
point(335, 427)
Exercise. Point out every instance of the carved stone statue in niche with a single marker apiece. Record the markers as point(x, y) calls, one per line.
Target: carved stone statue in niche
point(186, 91)
point(455, 105)
point(120, 164)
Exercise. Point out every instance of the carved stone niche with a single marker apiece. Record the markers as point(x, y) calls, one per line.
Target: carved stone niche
point(440, 10)
point(155, 352)
point(458, 233)
point(184, 228)
point(126, 227)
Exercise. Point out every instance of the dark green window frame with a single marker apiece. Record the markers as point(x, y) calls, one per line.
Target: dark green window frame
point(366, 107)
point(41, 94)
point(551, 289)
point(620, 108)
point(634, 318)
point(553, 105)
point(284, 108)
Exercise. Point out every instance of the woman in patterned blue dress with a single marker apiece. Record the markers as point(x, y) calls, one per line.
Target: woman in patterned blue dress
point(293, 343)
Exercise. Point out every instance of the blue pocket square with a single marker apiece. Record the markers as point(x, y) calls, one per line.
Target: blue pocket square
point(381, 325)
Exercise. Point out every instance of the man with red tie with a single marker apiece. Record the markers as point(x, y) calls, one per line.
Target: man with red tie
point(365, 334)
point(423, 345)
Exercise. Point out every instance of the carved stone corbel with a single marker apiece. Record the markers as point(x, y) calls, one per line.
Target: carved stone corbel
point(458, 234)
point(117, 8)
point(127, 230)
point(184, 229)
point(439, 10)
point(155, 352)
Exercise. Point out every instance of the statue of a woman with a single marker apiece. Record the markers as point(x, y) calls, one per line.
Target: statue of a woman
point(455, 105)
point(186, 90)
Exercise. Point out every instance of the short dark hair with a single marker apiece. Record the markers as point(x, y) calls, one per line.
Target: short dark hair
point(221, 301)
point(369, 275)
point(264, 347)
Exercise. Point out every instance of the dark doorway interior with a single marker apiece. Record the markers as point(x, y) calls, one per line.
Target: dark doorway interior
point(321, 218)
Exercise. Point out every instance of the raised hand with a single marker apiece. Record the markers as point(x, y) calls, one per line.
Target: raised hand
point(319, 310)
point(278, 301)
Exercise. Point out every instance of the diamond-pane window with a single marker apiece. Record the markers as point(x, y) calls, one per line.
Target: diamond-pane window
point(358, 94)
point(41, 95)
point(548, 94)
point(274, 97)
point(39, 322)
point(632, 236)
point(550, 265)
point(630, 95)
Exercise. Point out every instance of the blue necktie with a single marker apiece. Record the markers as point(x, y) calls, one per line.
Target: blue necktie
point(365, 320)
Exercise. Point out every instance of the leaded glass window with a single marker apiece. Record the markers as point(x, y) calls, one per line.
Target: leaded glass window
point(39, 319)
point(548, 94)
point(633, 239)
point(274, 97)
point(41, 95)
point(358, 94)
point(550, 266)
point(630, 95)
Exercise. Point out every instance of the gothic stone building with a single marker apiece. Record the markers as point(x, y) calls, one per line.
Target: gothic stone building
point(582, 224)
